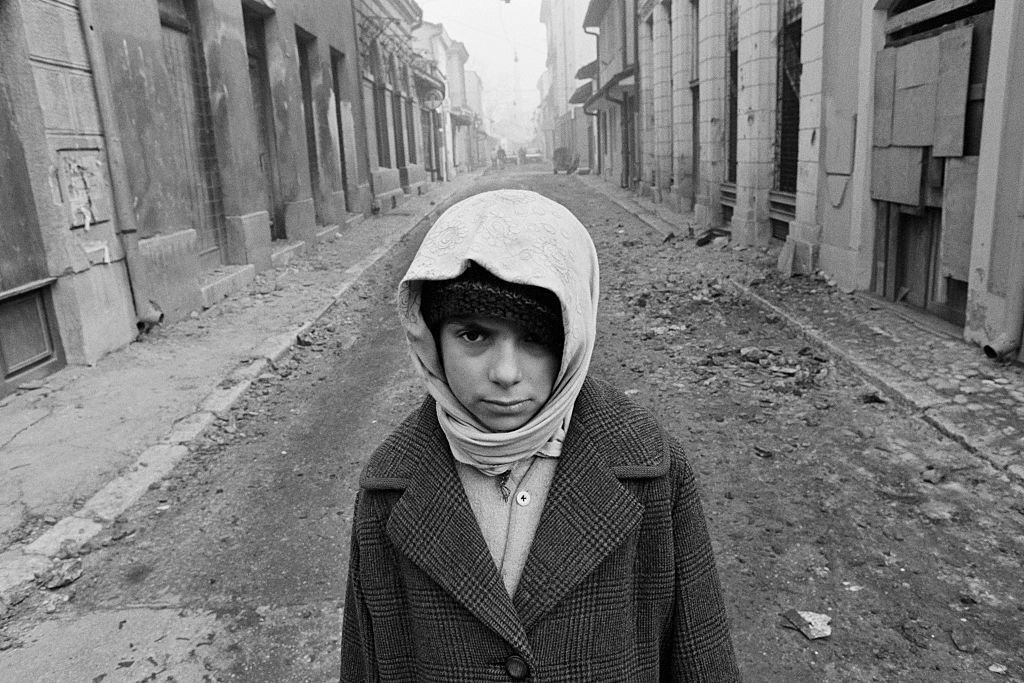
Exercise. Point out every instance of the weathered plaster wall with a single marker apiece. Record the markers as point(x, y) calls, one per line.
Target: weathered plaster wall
point(713, 69)
point(227, 66)
point(26, 138)
point(130, 34)
point(755, 127)
point(23, 258)
point(684, 19)
point(842, 87)
point(841, 90)
point(66, 151)
point(997, 255)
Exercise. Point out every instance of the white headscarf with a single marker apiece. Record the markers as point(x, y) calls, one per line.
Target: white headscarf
point(521, 237)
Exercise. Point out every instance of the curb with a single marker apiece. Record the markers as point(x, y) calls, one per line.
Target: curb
point(924, 408)
point(660, 225)
point(928, 407)
point(19, 566)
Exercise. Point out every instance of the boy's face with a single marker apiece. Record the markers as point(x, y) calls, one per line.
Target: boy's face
point(497, 370)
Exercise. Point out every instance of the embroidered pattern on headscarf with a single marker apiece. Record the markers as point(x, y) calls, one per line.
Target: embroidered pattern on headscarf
point(522, 237)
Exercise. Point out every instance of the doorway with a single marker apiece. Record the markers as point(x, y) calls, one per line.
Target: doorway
point(338, 73)
point(263, 114)
point(306, 45)
point(186, 72)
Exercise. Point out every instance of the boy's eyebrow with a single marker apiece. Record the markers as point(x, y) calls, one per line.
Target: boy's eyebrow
point(472, 321)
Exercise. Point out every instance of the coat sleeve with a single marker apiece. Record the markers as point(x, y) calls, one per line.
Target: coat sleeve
point(701, 646)
point(357, 650)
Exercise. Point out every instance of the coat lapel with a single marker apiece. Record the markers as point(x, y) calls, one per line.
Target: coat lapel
point(433, 525)
point(588, 514)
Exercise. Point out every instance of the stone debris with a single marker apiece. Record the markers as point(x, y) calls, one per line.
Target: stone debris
point(61, 573)
point(964, 640)
point(812, 624)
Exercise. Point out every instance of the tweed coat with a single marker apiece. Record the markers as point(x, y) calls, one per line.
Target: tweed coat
point(619, 585)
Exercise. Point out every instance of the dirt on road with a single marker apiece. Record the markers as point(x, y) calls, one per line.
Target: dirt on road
point(822, 495)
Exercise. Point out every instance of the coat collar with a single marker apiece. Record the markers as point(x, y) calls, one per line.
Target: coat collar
point(632, 444)
point(588, 512)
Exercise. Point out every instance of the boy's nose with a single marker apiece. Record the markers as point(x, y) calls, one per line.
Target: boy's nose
point(505, 369)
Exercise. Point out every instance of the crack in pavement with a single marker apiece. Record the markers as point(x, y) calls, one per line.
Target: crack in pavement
point(30, 425)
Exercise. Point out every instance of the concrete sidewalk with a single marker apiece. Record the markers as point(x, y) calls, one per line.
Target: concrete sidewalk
point(914, 359)
point(79, 448)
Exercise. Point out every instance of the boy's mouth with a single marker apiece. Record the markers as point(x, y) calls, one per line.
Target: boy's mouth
point(506, 405)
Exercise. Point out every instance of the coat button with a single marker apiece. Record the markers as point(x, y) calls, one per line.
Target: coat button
point(516, 667)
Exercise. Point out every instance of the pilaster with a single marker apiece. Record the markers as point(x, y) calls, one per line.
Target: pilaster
point(646, 102)
point(804, 239)
point(683, 72)
point(755, 140)
point(662, 95)
point(712, 67)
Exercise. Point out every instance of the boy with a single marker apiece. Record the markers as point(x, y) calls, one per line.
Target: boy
point(527, 522)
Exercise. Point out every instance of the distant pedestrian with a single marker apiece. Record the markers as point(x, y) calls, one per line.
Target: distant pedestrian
point(527, 521)
point(501, 157)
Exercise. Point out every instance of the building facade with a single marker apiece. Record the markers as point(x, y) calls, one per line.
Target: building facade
point(873, 140)
point(483, 144)
point(394, 112)
point(461, 111)
point(463, 119)
point(433, 43)
point(614, 90)
point(156, 152)
point(564, 124)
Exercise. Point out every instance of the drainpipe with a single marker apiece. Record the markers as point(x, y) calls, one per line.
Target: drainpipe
point(1008, 340)
point(146, 312)
point(597, 88)
point(597, 54)
point(637, 78)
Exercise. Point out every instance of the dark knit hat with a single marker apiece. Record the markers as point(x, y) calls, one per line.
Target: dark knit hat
point(478, 293)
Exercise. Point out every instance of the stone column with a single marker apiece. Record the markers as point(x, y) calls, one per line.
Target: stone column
point(289, 128)
point(683, 31)
point(755, 138)
point(996, 290)
point(713, 68)
point(662, 67)
point(247, 223)
point(646, 102)
point(805, 231)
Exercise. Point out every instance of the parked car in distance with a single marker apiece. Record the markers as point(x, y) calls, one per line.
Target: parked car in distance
point(534, 156)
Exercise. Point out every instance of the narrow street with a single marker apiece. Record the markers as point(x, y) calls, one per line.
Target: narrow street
point(822, 496)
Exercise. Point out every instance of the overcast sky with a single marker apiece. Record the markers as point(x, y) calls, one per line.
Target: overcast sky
point(495, 33)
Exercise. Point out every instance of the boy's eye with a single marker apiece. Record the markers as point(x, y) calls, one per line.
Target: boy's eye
point(471, 335)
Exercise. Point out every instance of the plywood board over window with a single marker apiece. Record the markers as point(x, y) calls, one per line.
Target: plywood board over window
point(885, 86)
point(958, 195)
point(951, 104)
point(896, 174)
point(840, 136)
point(913, 114)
